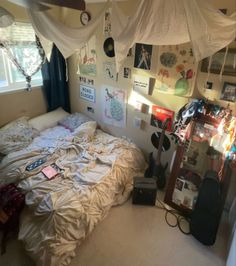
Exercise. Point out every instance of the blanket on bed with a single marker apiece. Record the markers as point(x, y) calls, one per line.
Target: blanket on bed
point(60, 212)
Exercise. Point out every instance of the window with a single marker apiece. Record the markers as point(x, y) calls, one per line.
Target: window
point(20, 41)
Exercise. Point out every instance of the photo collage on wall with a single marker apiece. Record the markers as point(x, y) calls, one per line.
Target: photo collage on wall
point(176, 70)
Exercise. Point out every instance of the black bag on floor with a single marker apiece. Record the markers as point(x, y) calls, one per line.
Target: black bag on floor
point(205, 217)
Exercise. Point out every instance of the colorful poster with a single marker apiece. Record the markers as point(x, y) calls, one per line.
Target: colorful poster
point(87, 58)
point(143, 55)
point(176, 70)
point(114, 106)
point(159, 116)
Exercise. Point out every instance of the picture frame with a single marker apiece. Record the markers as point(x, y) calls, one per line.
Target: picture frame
point(228, 92)
point(217, 61)
point(143, 56)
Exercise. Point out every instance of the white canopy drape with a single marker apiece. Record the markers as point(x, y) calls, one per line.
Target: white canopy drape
point(157, 22)
point(67, 39)
point(172, 22)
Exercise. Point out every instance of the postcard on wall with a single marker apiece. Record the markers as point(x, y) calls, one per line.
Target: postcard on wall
point(114, 106)
point(87, 93)
point(143, 56)
point(109, 71)
point(176, 70)
point(159, 116)
point(143, 84)
point(87, 58)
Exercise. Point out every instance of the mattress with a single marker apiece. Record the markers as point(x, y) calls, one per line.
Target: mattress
point(97, 174)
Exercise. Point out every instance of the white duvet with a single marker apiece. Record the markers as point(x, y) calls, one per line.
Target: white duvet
point(59, 213)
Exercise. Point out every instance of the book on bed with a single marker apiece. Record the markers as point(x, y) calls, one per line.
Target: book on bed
point(51, 171)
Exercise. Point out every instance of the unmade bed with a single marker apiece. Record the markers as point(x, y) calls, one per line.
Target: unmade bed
point(97, 170)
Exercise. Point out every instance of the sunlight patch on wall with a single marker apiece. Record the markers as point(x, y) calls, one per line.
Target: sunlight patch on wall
point(135, 98)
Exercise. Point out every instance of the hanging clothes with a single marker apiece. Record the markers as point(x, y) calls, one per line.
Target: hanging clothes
point(55, 83)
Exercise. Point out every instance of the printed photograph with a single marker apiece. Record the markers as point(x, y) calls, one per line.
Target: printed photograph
point(143, 54)
point(127, 73)
point(228, 92)
point(179, 184)
point(209, 85)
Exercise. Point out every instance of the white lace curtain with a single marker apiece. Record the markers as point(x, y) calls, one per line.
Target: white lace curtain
point(18, 41)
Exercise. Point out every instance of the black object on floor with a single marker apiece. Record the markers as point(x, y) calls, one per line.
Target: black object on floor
point(205, 217)
point(145, 191)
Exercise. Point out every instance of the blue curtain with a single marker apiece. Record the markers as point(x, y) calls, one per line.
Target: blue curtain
point(55, 85)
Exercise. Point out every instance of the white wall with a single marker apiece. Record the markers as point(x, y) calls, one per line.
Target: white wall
point(21, 102)
point(140, 136)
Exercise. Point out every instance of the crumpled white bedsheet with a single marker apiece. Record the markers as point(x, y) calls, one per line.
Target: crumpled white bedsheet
point(61, 212)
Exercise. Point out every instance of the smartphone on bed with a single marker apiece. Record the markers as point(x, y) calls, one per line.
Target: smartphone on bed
point(36, 164)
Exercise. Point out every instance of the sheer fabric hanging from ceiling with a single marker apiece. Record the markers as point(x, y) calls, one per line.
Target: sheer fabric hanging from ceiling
point(156, 22)
point(67, 39)
point(172, 22)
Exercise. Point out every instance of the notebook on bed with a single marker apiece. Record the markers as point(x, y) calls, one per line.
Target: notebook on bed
point(51, 171)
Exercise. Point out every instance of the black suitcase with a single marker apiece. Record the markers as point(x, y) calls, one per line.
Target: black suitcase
point(145, 191)
point(205, 217)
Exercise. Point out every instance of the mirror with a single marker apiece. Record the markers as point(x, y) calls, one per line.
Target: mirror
point(202, 151)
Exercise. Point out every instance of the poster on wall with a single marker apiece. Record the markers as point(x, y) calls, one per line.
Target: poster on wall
point(87, 58)
point(159, 115)
point(109, 71)
point(176, 70)
point(107, 23)
point(143, 55)
point(87, 93)
point(114, 106)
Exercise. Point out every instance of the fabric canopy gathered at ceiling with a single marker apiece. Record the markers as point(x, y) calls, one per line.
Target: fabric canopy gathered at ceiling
point(67, 39)
point(156, 22)
point(160, 22)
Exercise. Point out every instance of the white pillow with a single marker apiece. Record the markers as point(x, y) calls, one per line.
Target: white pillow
point(48, 120)
point(86, 130)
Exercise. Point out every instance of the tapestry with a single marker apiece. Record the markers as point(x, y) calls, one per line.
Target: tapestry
point(176, 70)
